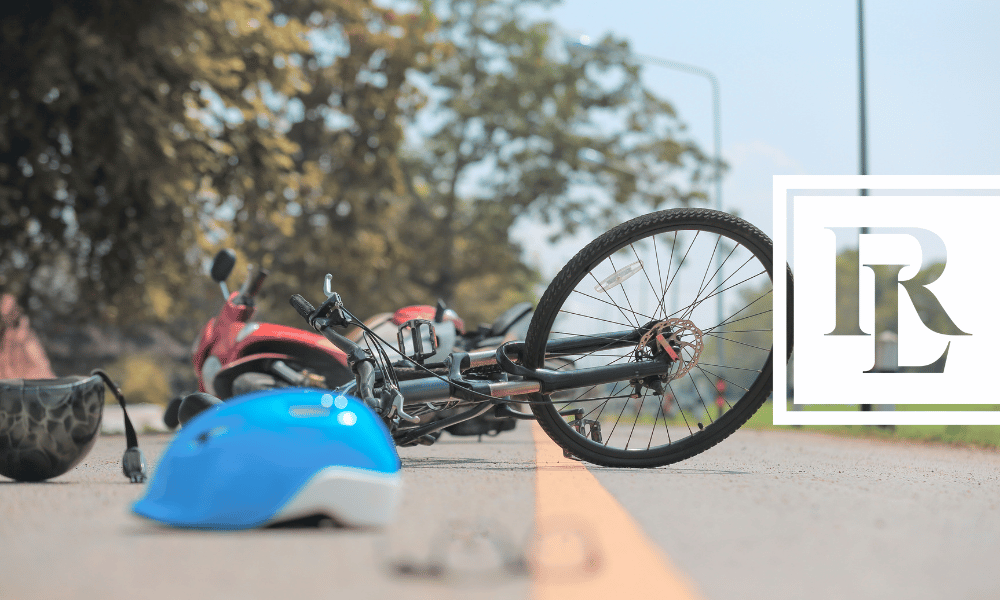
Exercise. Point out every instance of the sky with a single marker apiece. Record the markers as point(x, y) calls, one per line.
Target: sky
point(788, 79)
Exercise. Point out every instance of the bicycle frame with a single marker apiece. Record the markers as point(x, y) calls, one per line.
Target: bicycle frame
point(487, 394)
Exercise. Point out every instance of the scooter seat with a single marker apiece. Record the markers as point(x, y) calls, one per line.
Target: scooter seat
point(510, 316)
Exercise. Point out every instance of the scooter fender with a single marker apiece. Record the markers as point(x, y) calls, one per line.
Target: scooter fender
point(202, 346)
point(222, 383)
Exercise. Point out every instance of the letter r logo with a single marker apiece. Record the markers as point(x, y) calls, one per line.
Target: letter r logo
point(916, 341)
point(928, 307)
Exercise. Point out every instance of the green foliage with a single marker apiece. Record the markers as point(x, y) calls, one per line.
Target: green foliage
point(136, 137)
point(983, 436)
point(143, 378)
point(343, 208)
point(388, 199)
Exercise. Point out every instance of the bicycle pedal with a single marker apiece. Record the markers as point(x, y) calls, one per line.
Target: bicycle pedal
point(417, 331)
point(571, 456)
point(595, 432)
point(426, 439)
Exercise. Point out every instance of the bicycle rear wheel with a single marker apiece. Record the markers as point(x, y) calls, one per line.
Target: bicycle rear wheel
point(697, 280)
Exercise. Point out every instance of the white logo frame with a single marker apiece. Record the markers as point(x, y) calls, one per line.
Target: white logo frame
point(785, 188)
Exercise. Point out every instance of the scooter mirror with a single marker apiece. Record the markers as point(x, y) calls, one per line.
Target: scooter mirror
point(223, 265)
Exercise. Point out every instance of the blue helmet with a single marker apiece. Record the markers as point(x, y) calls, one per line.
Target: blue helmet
point(275, 456)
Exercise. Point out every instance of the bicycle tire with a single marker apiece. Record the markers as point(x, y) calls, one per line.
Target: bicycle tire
point(751, 372)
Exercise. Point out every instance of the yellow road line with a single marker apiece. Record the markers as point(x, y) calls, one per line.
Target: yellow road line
point(587, 545)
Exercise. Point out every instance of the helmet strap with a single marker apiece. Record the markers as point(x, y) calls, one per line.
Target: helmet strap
point(133, 461)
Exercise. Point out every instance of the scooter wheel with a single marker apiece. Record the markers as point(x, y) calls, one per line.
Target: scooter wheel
point(170, 415)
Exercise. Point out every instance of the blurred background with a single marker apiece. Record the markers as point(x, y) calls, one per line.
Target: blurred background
point(457, 149)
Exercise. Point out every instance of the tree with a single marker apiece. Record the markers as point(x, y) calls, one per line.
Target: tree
point(518, 125)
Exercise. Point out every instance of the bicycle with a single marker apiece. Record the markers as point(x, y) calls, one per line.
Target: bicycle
point(641, 364)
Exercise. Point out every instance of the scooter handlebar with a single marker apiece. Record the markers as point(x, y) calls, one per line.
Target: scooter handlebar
point(256, 283)
point(251, 286)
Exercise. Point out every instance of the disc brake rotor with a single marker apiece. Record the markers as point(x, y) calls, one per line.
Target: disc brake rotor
point(679, 338)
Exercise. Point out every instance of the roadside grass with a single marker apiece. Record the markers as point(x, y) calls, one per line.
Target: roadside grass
point(984, 436)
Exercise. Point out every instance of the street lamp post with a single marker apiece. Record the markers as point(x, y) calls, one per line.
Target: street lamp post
point(716, 114)
point(862, 120)
point(862, 108)
point(584, 40)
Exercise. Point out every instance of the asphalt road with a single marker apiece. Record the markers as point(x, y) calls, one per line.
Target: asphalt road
point(771, 515)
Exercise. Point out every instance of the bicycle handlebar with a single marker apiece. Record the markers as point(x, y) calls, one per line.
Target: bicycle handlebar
point(360, 362)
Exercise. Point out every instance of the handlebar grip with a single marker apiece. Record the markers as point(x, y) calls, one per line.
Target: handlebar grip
point(257, 283)
point(365, 374)
point(302, 306)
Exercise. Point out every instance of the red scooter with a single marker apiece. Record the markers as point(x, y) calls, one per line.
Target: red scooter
point(234, 355)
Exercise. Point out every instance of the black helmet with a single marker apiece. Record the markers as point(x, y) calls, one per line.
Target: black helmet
point(47, 426)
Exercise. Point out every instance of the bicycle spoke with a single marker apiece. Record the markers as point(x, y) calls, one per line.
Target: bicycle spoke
point(593, 337)
point(704, 364)
point(644, 272)
point(717, 376)
point(638, 411)
point(742, 330)
point(595, 318)
point(681, 264)
point(731, 321)
point(618, 420)
point(648, 318)
point(719, 291)
point(652, 432)
point(612, 299)
point(624, 293)
point(681, 410)
point(725, 339)
point(659, 278)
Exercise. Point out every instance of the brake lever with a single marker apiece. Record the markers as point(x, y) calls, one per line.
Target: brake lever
point(392, 405)
point(333, 310)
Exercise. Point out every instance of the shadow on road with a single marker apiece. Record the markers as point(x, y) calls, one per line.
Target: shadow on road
point(418, 462)
point(668, 469)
